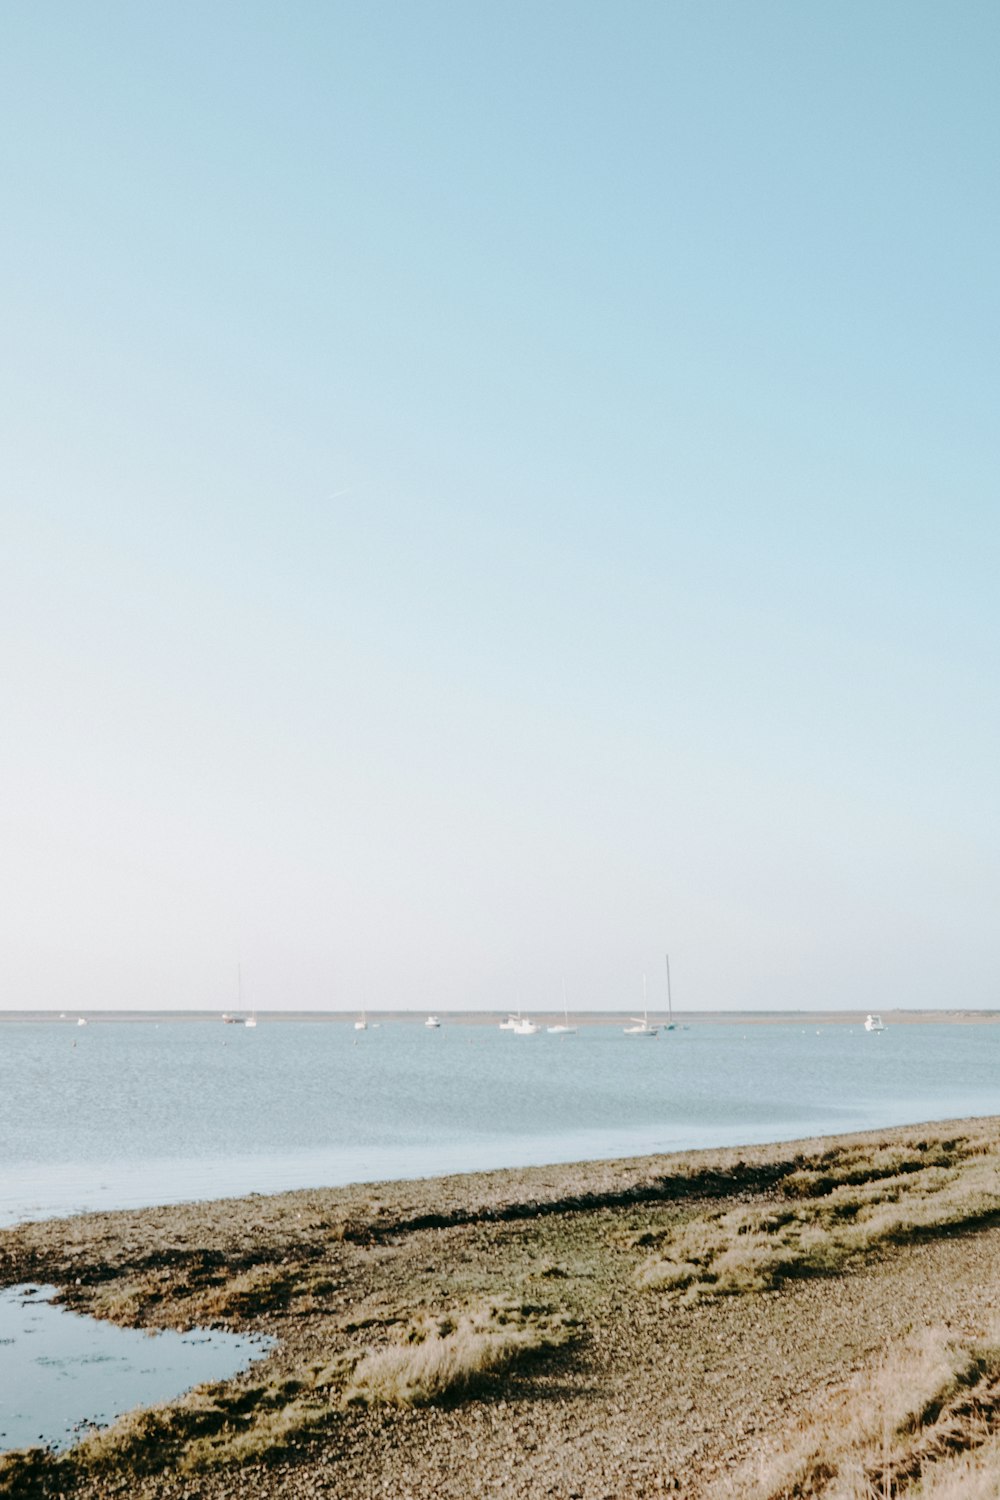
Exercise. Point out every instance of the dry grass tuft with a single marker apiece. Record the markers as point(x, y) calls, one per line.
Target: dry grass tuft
point(967, 1476)
point(259, 1289)
point(161, 1297)
point(451, 1356)
point(928, 1419)
point(212, 1426)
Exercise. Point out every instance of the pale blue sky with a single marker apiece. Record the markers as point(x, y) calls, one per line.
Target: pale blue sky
point(492, 492)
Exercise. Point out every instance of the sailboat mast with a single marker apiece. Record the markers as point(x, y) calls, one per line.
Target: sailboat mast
point(670, 1004)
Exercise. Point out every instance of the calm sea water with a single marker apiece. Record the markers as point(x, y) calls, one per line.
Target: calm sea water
point(61, 1373)
point(122, 1115)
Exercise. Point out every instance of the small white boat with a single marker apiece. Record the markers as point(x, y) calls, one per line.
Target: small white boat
point(251, 1020)
point(524, 1027)
point(433, 1022)
point(512, 1021)
point(361, 1024)
point(874, 1022)
point(639, 1025)
point(563, 1028)
point(81, 1022)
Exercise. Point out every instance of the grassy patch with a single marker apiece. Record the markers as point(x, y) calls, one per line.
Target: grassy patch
point(851, 1166)
point(163, 1296)
point(211, 1426)
point(925, 1424)
point(826, 1212)
point(452, 1356)
point(963, 1476)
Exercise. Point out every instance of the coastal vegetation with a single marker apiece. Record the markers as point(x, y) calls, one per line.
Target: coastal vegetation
point(925, 1422)
point(827, 1212)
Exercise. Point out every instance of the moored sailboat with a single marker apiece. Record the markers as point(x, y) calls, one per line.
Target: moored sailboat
point(670, 1004)
point(639, 1025)
point(563, 1028)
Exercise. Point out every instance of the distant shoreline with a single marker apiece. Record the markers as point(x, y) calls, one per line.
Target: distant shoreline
point(689, 1018)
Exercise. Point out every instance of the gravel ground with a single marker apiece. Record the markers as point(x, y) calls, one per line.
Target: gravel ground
point(656, 1396)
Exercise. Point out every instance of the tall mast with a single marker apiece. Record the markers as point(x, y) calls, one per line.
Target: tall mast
point(670, 1005)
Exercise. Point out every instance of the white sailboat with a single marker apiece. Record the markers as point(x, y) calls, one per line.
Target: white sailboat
point(563, 1028)
point(237, 1018)
point(433, 1022)
point(361, 1024)
point(670, 1004)
point(639, 1025)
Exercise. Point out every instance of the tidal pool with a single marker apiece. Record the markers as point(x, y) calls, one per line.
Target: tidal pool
point(62, 1372)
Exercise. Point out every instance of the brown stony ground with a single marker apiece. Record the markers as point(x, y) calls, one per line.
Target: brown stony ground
point(653, 1393)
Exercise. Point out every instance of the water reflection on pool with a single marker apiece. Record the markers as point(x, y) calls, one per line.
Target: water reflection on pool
point(61, 1372)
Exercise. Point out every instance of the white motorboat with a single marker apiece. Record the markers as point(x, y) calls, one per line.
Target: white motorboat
point(433, 1022)
point(511, 1022)
point(874, 1022)
point(524, 1027)
point(81, 1022)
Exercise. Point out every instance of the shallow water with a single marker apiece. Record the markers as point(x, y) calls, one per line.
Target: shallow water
point(61, 1372)
point(124, 1115)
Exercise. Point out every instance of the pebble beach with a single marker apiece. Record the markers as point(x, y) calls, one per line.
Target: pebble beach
point(628, 1390)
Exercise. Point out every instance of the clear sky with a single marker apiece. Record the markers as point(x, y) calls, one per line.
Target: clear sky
point(494, 492)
